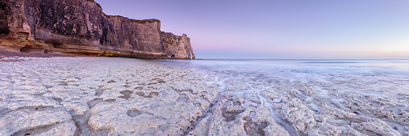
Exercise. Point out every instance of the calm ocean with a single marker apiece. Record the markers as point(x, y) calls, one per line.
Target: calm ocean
point(300, 66)
point(377, 74)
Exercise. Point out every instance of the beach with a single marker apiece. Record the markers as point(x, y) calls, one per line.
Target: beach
point(124, 96)
point(98, 96)
point(204, 68)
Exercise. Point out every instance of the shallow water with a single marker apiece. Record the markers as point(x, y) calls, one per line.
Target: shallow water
point(376, 89)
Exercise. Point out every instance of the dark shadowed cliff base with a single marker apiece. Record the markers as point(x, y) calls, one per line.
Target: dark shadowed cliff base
point(80, 28)
point(22, 54)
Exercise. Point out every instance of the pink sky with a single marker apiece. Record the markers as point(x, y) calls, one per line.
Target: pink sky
point(280, 29)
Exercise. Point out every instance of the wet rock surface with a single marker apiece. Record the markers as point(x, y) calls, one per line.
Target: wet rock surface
point(99, 96)
point(312, 103)
point(119, 96)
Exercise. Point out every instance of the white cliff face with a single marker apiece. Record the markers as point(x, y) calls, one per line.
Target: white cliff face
point(177, 46)
point(80, 28)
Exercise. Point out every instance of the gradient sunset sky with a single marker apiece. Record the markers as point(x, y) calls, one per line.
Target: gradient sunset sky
point(280, 29)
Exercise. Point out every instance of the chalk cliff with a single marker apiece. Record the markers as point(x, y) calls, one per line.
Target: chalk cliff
point(79, 27)
point(177, 46)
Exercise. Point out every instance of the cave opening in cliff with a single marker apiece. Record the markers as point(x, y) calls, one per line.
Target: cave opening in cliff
point(57, 45)
point(4, 28)
point(25, 49)
point(173, 56)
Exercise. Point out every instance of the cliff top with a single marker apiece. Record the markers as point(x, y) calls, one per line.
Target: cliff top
point(95, 3)
point(133, 20)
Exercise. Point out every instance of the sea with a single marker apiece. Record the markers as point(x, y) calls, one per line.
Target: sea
point(370, 71)
point(391, 75)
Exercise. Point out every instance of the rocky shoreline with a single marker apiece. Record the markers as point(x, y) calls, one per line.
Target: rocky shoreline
point(123, 96)
point(99, 96)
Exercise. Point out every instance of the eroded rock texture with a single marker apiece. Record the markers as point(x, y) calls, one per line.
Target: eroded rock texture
point(99, 96)
point(177, 46)
point(79, 27)
point(122, 96)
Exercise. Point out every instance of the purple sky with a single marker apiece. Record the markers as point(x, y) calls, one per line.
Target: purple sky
point(280, 29)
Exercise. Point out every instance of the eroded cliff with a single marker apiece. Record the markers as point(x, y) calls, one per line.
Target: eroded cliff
point(177, 46)
point(79, 27)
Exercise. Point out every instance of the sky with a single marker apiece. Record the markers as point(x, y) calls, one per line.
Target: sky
point(280, 29)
